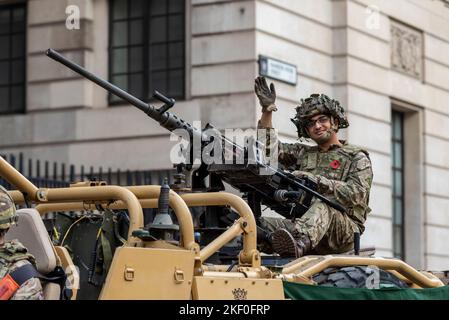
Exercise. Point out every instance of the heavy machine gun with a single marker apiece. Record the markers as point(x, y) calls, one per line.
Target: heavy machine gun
point(262, 183)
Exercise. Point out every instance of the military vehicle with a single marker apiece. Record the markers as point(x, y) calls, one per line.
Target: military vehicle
point(184, 252)
point(145, 267)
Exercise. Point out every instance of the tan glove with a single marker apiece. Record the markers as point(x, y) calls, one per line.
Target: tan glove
point(267, 96)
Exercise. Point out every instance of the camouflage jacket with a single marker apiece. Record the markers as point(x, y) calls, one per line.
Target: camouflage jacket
point(14, 255)
point(343, 173)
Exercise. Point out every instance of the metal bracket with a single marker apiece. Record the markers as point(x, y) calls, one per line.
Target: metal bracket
point(179, 275)
point(244, 225)
point(93, 183)
point(129, 274)
point(41, 195)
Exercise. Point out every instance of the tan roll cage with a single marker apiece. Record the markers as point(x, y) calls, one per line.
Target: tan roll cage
point(308, 266)
point(246, 224)
point(85, 197)
point(14, 177)
point(93, 194)
point(55, 195)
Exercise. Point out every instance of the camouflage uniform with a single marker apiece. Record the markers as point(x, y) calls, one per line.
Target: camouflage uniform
point(14, 255)
point(343, 174)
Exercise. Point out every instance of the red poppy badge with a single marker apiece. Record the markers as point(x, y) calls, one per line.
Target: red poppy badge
point(335, 164)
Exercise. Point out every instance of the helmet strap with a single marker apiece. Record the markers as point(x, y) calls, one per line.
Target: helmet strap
point(334, 125)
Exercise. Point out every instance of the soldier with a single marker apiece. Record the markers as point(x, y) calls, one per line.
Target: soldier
point(17, 266)
point(342, 172)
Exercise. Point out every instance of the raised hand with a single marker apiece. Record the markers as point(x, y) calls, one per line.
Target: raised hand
point(267, 96)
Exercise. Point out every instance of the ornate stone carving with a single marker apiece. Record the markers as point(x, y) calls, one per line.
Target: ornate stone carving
point(406, 50)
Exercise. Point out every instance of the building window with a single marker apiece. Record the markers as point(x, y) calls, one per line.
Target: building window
point(397, 152)
point(147, 47)
point(12, 58)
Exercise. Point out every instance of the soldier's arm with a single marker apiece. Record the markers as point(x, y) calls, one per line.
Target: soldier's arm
point(287, 153)
point(30, 289)
point(355, 190)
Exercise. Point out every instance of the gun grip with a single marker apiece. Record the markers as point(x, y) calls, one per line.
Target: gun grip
point(169, 102)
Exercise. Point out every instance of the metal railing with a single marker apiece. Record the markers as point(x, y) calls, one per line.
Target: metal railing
point(46, 174)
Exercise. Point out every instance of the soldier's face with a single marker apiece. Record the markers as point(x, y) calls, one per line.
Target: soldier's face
point(319, 128)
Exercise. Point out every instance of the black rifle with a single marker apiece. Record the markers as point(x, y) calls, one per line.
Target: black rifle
point(275, 188)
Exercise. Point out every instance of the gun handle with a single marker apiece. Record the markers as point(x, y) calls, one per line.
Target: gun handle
point(169, 102)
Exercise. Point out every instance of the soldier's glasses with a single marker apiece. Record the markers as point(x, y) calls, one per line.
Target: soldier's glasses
point(321, 120)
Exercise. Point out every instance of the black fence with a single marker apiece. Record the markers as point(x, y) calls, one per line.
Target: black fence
point(46, 174)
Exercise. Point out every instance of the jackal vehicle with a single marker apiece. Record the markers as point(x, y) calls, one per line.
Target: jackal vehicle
point(184, 252)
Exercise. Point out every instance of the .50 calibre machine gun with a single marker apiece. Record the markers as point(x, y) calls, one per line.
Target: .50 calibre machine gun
point(277, 189)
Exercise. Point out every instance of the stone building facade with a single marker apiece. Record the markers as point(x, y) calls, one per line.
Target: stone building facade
point(386, 61)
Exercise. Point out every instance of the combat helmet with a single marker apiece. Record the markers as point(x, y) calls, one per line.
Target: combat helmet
point(318, 104)
point(8, 216)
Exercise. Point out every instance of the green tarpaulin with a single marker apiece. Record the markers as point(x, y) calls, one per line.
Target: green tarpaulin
point(297, 291)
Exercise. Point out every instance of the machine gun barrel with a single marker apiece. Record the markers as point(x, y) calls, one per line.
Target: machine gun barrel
point(102, 83)
point(165, 119)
